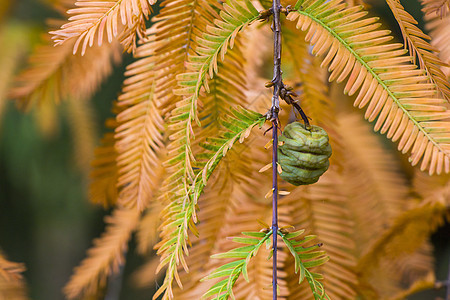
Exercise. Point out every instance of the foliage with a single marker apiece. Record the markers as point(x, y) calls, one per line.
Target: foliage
point(171, 170)
point(181, 214)
point(231, 271)
point(12, 285)
point(407, 110)
point(306, 258)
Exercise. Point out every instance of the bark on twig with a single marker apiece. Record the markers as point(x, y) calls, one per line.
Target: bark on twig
point(273, 113)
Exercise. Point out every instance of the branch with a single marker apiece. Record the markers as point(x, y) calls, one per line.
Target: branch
point(273, 113)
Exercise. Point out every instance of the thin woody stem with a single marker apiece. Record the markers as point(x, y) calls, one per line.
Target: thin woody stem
point(447, 297)
point(274, 206)
point(277, 84)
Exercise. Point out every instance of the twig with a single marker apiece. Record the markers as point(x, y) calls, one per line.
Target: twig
point(274, 205)
point(273, 113)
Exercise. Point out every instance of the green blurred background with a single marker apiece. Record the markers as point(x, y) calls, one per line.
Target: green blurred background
point(46, 220)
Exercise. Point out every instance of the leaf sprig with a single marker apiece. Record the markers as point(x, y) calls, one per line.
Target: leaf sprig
point(91, 19)
point(182, 186)
point(406, 105)
point(306, 258)
point(232, 270)
point(234, 18)
point(419, 48)
point(181, 214)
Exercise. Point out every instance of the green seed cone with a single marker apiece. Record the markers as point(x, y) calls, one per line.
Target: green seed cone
point(303, 153)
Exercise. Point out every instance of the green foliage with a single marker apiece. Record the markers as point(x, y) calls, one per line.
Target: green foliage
point(183, 216)
point(215, 42)
point(407, 106)
point(182, 182)
point(306, 257)
point(237, 127)
point(232, 270)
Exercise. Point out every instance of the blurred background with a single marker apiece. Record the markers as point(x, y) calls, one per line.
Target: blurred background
point(46, 220)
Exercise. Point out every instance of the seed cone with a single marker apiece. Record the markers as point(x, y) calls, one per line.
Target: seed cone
point(303, 153)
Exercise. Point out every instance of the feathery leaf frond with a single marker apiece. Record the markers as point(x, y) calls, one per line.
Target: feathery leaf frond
point(215, 199)
point(439, 30)
point(93, 18)
point(223, 289)
point(243, 207)
point(139, 141)
point(419, 48)
point(236, 16)
point(180, 213)
point(226, 90)
point(438, 7)
point(10, 270)
point(399, 95)
point(218, 202)
point(105, 256)
point(54, 73)
point(210, 46)
point(234, 19)
point(237, 127)
point(181, 179)
point(306, 257)
point(356, 2)
point(174, 49)
point(392, 276)
point(11, 280)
